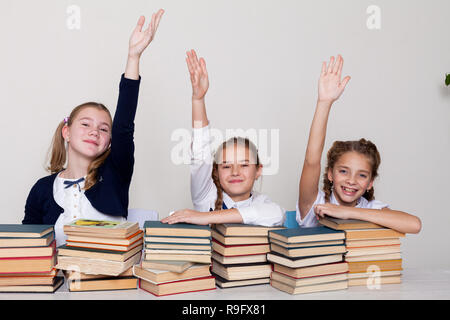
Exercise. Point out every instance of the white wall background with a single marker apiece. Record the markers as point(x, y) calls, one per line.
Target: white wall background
point(264, 59)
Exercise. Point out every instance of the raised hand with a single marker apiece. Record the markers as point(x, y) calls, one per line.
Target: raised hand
point(140, 39)
point(199, 75)
point(330, 84)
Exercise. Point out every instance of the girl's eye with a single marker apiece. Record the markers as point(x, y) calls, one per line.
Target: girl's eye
point(226, 167)
point(342, 171)
point(85, 124)
point(363, 176)
point(244, 165)
point(104, 130)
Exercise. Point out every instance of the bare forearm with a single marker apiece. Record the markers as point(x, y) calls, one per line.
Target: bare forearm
point(226, 216)
point(132, 68)
point(199, 117)
point(317, 133)
point(393, 219)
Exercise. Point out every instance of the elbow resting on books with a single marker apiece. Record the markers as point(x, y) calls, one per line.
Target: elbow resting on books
point(393, 219)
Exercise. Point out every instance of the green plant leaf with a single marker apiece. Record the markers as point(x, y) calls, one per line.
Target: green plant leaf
point(447, 79)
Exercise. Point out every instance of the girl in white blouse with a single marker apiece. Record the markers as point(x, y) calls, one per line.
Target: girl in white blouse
point(221, 188)
point(352, 167)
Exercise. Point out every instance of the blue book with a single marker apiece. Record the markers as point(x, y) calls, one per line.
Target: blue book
point(301, 235)
point(157, 228)
point(25, 230)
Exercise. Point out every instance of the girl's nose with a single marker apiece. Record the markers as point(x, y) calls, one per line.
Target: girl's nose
point(235, 170)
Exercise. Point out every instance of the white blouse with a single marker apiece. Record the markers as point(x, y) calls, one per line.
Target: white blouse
point(256, 210)
point(76, 206)
point(310, 219)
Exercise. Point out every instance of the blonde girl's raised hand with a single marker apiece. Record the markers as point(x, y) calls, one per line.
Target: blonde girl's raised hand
point(139, 41)
point(198, 74)
point(330, 84)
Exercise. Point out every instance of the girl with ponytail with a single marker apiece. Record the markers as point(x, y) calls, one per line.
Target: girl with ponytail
point(222, 187)
point(92, 155)
point(352, 167)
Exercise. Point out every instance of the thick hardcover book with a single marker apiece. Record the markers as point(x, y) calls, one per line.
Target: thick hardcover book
point(174, 266)
point(157, 228)
point(25, 230)
point(224, 283)
point(24, 252)
point(57, 282)
point(11, 242)
point(239, 250)
point(239, 229)
point(303, 261)
point(372, 234)
point(235, 240)
point(181, 286)
point(293, 282)
point(347, 224)
point(107, 241)
point(160, 276)
point(312, 271)
point(27, 265)
point(308, 251)
point(299, 235)
point(242, 271)
point(176, 239)
point(330, 286)
point(98, 253)
point(102, 227)
point(105, 284)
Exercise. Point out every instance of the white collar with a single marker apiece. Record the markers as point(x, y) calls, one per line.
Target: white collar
point(231, 204)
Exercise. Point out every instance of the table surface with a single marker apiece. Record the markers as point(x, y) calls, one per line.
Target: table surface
point(416, 284)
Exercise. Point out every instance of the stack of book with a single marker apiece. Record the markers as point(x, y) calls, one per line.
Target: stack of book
point(177, 259)
point(373, 252)
point(28, 258)
point(240, 255)
point(307, 260)
point(99, 255)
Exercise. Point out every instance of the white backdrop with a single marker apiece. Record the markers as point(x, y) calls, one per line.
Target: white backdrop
point(264, 59)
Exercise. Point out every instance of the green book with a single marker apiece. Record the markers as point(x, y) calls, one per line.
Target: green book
point(157, 228)
point(111, 255)
point(300, 235)
point(11, 242)
point(25, 230)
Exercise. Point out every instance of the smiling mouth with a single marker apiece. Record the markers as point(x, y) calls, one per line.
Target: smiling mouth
point(349, 191)
point(236, 181)
point(91, 142)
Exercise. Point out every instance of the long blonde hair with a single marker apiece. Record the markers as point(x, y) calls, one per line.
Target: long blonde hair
point(215, 172)
point(58, 152)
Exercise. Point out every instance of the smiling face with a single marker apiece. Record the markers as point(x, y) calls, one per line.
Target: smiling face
point(88, 133)
point(237, 171)
point(351, 177)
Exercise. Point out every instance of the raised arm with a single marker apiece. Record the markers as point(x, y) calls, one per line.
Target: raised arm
point(139, 41)
point(330, 89)
point(200, 85)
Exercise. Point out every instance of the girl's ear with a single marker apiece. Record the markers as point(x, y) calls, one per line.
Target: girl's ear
point(259, 170)
point(65, 133)
point(370, 185)
point(330, 175)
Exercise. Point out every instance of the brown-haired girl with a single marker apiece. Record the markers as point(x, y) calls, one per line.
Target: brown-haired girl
point(222, 188)
point(351, 169)
point(92, 156)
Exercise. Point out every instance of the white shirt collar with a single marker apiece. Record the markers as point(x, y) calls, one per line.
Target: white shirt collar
point(231, 204)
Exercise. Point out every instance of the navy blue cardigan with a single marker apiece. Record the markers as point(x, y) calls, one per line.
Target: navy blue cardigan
point(110, 194)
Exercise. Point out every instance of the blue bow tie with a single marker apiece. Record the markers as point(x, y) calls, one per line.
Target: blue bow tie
point(71, 183)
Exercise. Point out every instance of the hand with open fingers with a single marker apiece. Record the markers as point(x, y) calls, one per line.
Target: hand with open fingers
point(188, 216)
point(332, 210)
point(330, 85)
point(140, 39)
point(199, 75)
